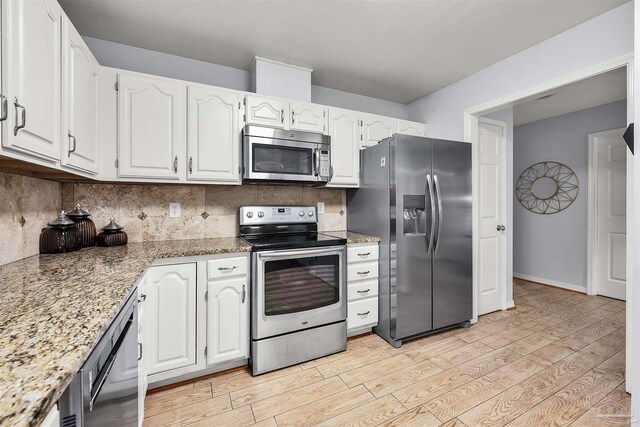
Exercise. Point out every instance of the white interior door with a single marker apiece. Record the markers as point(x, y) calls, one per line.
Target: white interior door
point(610, 203)
point(491, 207)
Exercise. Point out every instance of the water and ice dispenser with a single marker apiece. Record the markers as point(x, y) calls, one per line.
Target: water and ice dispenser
point(414, 215)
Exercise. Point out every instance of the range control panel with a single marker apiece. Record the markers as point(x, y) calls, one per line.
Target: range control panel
point(251, 215)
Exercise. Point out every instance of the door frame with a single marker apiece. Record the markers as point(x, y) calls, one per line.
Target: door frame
point(592, 214)
point(506, 181)
point(471, 116)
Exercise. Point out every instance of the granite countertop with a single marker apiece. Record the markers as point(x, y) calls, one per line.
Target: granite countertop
point(353, 238)
point(54, 309)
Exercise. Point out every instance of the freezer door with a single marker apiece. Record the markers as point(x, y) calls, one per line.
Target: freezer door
point(411, 230)
point(452, 270)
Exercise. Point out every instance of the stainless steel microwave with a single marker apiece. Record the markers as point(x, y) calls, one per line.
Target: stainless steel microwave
point(282, 156)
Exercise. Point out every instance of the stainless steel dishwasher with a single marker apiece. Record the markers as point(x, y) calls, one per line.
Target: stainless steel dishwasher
point(105, 390)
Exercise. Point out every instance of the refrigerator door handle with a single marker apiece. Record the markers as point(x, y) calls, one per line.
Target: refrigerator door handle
point(439, 196)
point(430, 235)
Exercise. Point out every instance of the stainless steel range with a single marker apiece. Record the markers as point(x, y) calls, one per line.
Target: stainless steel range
point(298, 279)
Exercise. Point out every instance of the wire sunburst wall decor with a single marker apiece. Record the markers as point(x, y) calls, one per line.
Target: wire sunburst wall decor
point(547, 187)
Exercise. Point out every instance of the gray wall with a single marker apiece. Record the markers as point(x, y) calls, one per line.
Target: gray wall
point(131, 58)
point(554, 247)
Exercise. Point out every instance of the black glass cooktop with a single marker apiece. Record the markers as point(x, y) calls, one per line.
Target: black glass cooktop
point(263, 242)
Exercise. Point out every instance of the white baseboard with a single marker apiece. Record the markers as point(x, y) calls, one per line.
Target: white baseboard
point(510, 304)
point(549, 282)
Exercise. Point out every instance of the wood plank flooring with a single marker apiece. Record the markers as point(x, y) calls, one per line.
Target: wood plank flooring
point(556, 360)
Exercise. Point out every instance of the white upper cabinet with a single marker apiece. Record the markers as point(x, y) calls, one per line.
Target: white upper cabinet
point(406, 127)
point(79, 103)
point(170, 317)
point(376, 128)
point(267, 111)
point(308, 117)
point(344, 129)
point(213, 135)
point(151, 117)
point(32, 76)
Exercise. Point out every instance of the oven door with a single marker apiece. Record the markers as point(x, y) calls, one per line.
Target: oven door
point(281, 160)
point(297, 289)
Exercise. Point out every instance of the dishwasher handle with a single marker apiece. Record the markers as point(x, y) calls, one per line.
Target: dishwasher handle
point(106, 370)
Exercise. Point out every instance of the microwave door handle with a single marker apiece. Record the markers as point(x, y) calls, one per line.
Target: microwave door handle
point(316, 161)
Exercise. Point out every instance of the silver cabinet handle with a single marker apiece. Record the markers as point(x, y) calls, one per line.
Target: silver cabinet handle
point(190, 165)
point(433, 214)
point(73, 140)
point(17, 127)
point(293, 117)
point(227, 268)
point(282, 116)
point(175, 165)
point(501, 228)
point(362, 273)
point(244, 293)
point(439, 195)
point(366, 291)
point(365, 313)
point(4, 110)
point(142, 298)
point(139, 351)
point(365, 254)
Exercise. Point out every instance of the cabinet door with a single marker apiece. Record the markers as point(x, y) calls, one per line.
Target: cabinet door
point(150, 128)
point(228, 320)
point(375, 129)
point(170, 318)
point(267, 111)
point(213, 135)
point(308, 117)
point(33, 77)
point(142, 370)
point(344, 128)
point(79, 102)
point(406, 127)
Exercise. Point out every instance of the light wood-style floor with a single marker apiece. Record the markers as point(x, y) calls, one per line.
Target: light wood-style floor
point(557, 359)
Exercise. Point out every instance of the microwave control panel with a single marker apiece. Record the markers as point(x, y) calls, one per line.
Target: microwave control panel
point(325, 163)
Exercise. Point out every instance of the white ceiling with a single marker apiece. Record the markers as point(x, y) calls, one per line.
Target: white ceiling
point(591, 92)
point(397, 50)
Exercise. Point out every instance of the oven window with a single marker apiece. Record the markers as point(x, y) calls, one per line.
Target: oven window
point(278, 159)
point(296, 285)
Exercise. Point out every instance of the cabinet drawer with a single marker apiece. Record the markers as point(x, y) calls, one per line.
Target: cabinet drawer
point(362, 271)
point(361, 290)
point(227, 267)
point(362, 313)
point(362, 253)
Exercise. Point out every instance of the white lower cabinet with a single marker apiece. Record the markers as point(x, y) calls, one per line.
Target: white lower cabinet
point(362, 287)
point(194, 318)
point(170, 317)
point(143, 379)
point(227, 310)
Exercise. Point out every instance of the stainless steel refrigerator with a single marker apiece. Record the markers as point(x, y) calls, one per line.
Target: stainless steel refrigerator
point(415, 193)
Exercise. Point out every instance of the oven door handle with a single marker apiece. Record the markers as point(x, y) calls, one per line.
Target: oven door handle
point(299, 253)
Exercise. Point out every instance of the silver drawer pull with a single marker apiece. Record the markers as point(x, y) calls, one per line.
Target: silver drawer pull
point(366, 254)
point(362, 273)
point(227, 268)
point(365, 313)
point(142, 297)
point(365, 291)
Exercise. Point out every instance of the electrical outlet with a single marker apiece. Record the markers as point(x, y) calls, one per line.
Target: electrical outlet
point(174, 210)
point(320, 208)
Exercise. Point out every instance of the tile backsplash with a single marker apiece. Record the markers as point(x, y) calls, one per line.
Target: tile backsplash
point(207, 210)
point(143, 209)
point(26, 206)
